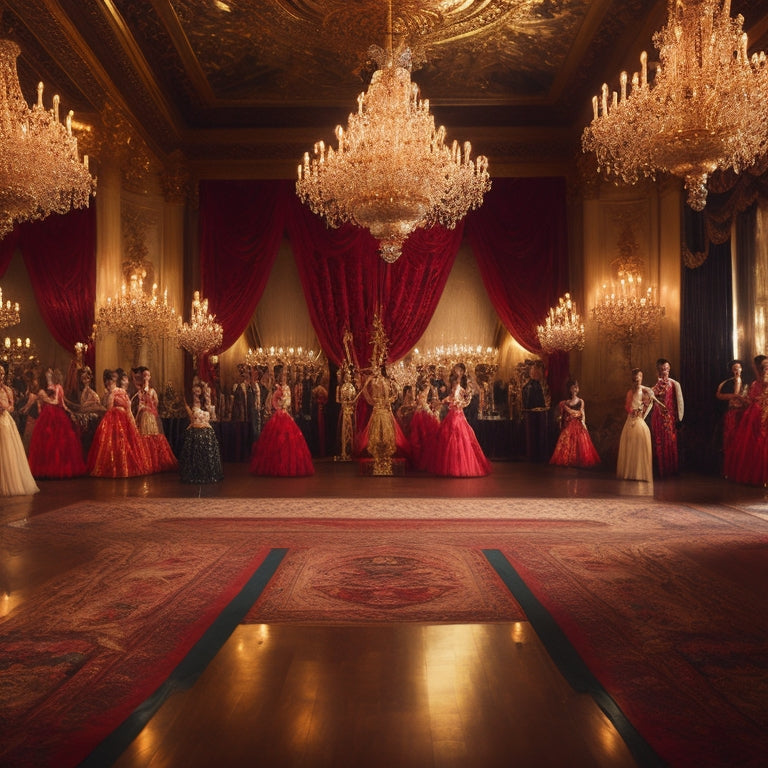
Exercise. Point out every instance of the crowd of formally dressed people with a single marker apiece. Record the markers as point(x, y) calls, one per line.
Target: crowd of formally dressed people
point(49, 431)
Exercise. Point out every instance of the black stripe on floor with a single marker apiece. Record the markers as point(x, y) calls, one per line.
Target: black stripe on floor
point(190, 667)
point(568, 661)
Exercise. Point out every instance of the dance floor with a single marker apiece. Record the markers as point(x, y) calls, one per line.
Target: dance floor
point(639, 606)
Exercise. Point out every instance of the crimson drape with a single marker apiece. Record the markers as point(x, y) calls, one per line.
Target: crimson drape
point(345, 282)
point(60, 255)
point(8, 247)
point(519, 238)
point(241, 226)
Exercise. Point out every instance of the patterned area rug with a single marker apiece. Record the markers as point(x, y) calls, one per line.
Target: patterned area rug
point(390, 582)
point(85, 648)
point(665, 602)
point(672, 627)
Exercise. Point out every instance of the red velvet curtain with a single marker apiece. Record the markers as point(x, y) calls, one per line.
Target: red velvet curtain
point(519, 238)
point(241, 226)
point(346, 281)
point(8, 247)
point(60, 256)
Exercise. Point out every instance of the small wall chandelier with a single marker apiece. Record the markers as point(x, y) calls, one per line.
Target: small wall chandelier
point(10, 313)
point(40, 171)
point(707, 108)
point(562, 330)
point(202, 333)
point(18, 352)
point(136, 315)
point(392, 171)
point(626, 312)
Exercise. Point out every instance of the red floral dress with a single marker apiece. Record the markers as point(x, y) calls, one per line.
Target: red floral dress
point(117, 449)
point(574, 447)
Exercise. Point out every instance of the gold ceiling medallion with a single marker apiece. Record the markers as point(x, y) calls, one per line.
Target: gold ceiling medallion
point(706, 109)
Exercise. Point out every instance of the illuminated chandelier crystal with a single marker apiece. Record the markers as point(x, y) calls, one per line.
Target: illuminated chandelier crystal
point(10, 313)
point(40, 171)
point(18, 352)
point(136, 315)
point(562, 330)
point(392, 171)
point(625, 312)
point(707, 108)
point(293, 358)
point(448, 355)
point(202, 333)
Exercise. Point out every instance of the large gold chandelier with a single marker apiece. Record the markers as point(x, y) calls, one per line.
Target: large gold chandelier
point(40, 172)
point(562, 330)
point(392, 171)
point(706, 109)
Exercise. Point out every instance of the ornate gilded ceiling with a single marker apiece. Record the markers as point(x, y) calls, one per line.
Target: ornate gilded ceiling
point(240, 82)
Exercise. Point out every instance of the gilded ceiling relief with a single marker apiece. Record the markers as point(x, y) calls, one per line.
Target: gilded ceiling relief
point(317, 50)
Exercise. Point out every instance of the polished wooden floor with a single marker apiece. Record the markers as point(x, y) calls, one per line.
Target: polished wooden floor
point(411, 695)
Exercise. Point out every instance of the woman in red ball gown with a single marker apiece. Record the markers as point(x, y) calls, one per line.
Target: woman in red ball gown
point(746, 459)
point(574, 447)
point(150, 428)
point(457, 452)
point(55, 450)
point(117, 449)
point(281, 449)
point(425, 424)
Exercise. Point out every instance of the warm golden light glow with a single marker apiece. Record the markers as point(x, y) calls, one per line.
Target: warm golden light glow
point(10, 312)
point(202, 333)
point(706, 108)
point(392, 171)
point(562, 330)
point(40, 170)
point(136, 314)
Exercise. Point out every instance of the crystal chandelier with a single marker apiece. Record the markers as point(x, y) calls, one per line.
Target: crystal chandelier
point(562, 330)
point(294, 358)
point(40, 172)
point(707, 108)
point(448, 355)
point(136, 315)
point(202, 333)
point(18, 352)
point(625, 312)
point(9, 312)
point(392, 171)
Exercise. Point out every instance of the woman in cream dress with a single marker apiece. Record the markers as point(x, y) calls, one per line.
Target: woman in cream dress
point(635, 460)
point(15, 476)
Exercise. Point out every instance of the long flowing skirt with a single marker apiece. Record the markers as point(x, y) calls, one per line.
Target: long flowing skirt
point(15, 476)
point(635, 460)
point(54, 449)
point(382, 427)
point(746, 457)
point(158, 449)
point(200, 460)
point(281, 449)
point(117, 449)
point(457, 452)
point(423, 434)
point(574, 447)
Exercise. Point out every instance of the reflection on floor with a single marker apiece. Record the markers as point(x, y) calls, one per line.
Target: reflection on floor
point(415, 694)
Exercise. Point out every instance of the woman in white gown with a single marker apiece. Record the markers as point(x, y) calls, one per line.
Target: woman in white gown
point(15, 476)
point(635, 460)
